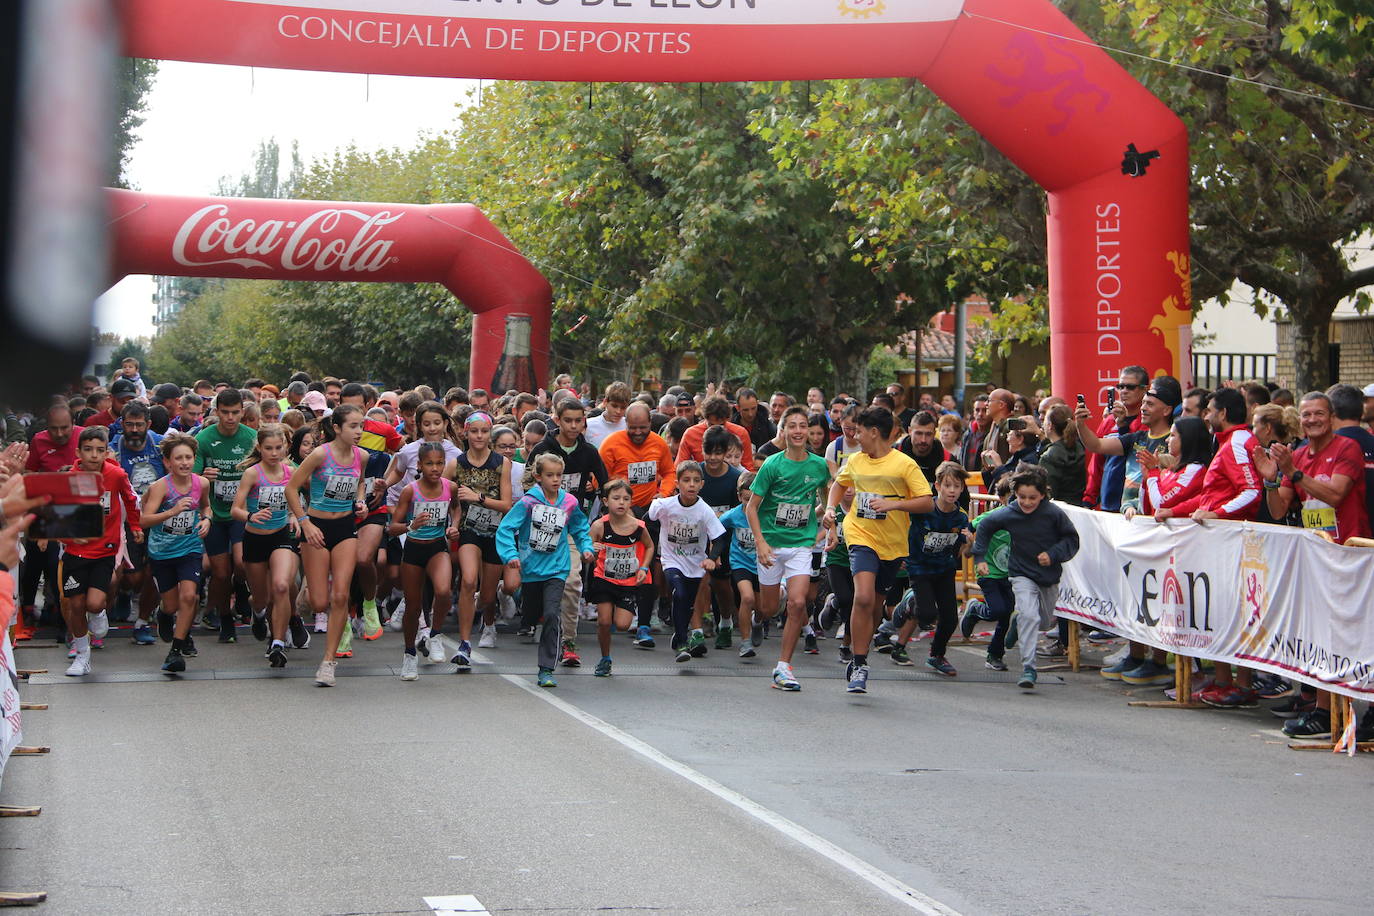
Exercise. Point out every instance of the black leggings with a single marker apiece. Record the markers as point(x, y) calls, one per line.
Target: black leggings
point(936, 593)
point(842, 587)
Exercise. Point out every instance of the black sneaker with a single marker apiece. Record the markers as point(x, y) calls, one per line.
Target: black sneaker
point(210, 621)
point(1364, 731)
point(300, 633)
point(1314, 724)
point(260, 627)
point(1271, 687)
point(811, 647)
point(995, 664)
point(227, 632)
point(189, 650)
point(174, 663)
point(276, 656)
point(967, 623)
point(846, 654)
point(899, 656)
point(882, 643)
point(166, 624)
point(1295, 706)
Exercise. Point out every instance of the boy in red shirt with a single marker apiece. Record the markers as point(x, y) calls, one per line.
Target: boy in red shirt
point(88, 564)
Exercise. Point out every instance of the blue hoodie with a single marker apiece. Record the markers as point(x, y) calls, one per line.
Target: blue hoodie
point(536, 531)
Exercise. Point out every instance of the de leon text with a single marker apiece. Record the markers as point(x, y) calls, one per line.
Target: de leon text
point(1197, 596)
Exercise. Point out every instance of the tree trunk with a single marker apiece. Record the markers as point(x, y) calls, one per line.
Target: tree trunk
point(851, 371)
point(1311, 348)
point(669, 369)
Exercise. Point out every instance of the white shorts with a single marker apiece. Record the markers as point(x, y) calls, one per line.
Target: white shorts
point(787, 562)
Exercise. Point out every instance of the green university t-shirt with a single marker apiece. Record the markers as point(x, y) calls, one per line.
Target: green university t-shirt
point(215, 450)
point(787, 488)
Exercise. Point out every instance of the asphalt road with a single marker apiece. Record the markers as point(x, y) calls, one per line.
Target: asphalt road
point(676, 788)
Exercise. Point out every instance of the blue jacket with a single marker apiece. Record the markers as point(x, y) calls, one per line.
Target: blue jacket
point(536, 531)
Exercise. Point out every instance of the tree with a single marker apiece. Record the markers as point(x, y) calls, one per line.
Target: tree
point(134, 82)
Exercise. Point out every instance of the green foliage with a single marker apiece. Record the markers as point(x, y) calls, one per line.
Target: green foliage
point(129, 347)
point(133, 83)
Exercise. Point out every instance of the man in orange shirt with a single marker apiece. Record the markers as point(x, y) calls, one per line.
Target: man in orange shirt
point(642, 458)
point(717, 413)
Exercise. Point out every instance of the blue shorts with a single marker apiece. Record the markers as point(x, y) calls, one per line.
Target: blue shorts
point(167, 573)
point(222, 537)
point(865, 560)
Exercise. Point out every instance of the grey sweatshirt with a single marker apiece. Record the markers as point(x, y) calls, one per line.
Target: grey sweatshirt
point(1046, 530)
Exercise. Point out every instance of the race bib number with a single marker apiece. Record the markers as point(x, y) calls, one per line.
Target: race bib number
point(225, 490)
point(621, 562)
point(939, 541)
point(546, 529)
point(105, 502)
point(744, 539)
point(437, 510)
point(182, 523)
point(683, 534)
point(142, 476)
point(369, 485)
point(641, 472)
point(571, 482)
point(338, 486)
point(273, 498)
point(481, 520)
point(792, 515)
point(864, 503)
point(1317, 514)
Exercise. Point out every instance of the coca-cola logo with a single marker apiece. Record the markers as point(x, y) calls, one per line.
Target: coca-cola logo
point(319, 242)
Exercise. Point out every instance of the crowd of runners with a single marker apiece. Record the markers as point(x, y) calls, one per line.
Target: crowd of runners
point(687, 523)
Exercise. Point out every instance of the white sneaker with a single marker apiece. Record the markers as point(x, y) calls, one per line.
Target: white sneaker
point(488, 640)
point(358, 629)
point(81, 665)
point(397, 619)
point(321, 623)
point(98, 624)
point(324, 675)
point(508, 608)
point(436, 650)
point(410, 667)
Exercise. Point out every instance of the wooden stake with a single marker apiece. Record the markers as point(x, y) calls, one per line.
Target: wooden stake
point(20, 811)
point(30, 750)
point(1075, 649)
point(22, 898)
point(33, 705)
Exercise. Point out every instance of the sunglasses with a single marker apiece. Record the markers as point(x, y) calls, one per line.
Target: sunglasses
point(1124, 387)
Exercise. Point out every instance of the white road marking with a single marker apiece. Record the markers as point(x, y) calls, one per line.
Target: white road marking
point(455, 904)
point(880, 879)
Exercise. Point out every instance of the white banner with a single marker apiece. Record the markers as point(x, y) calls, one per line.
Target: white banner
point(1263, 596)
point(11, 733)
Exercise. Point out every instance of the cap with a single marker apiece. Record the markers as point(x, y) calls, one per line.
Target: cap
point(166, 391)
point(315, 401)
point(1170, 394)
point(1369, 391)
point(685, 400)
point(123, 388)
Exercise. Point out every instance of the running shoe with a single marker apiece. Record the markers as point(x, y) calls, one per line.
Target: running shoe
point(321, 623)
point(1297, 705)
point(396, 622)
point(968, 621)
point(1052, 649)
point(545, 678)
point(810, 646)
point(603, 668)
point(98, 624)
point(643, 639)
point(324, 675)
point(1101, 636)
point(696, 644)
point(939, 665)
point(784, 679)
point(227, 632)
point(300, 633)
point(372, 622)
point(356, 625)
point(81, 665)
point(724, 637)
point(188, 647)
point(882, 642)
point(71, 649)
point(276, 656)
point(1314, 724)
point(97, 642)
point(846, 654)
point(1114, 672)
point(756, 634)
point(488, 637)
point(345, 649)
point(857, 676)
point(210, 621)
point(166, 623)
point(683, 654)
point(260, 626)
point(1009, 638)
point(526, 635)
point(899, 656)
point(463, 657)
point(569, 658)
point(1148, 673)
point(410, 666)
point(747, 650)
point(1027, 679)
point(1271, 687)
point(994, 664)
point(143, 636)
point(436, 648)
point(1229, 697)
point(174, 663)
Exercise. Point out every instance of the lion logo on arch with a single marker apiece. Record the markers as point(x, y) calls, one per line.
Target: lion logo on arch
point(1036, 77)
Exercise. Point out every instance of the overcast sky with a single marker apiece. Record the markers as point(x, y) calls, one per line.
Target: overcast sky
point(204, 122)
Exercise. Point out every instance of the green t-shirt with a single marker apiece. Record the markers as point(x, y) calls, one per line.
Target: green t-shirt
point(998, 556)
point(839, 554)
point(215, 450)
point(787, 488)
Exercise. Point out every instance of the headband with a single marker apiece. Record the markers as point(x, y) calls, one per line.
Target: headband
point(477, 415)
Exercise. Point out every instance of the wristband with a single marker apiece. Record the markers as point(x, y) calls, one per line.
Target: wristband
point(643, 569)
point(301, 519)
point(1274, 484)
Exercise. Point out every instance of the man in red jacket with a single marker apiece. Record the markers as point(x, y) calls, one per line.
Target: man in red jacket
point(1230, 489)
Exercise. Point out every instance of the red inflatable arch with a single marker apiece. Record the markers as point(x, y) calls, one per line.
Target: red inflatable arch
point(1113, 159)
